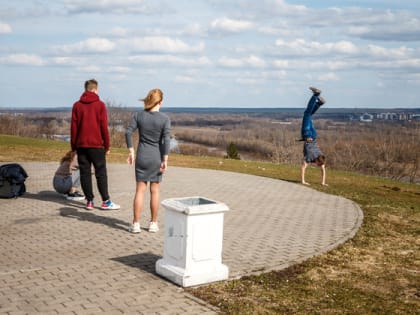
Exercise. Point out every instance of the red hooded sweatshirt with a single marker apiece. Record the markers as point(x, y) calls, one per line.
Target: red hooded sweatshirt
point(89, 123)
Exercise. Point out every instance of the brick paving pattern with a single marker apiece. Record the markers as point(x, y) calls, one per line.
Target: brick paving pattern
point(58, 258)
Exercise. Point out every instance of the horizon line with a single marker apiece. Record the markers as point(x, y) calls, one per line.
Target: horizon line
point(211, 107)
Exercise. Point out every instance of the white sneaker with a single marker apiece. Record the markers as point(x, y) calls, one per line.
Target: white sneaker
point(135, 228)
point(109, 205)
point(153, 227)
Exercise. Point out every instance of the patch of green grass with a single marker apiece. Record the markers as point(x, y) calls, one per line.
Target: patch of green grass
point(377, 272)
point(19, 149)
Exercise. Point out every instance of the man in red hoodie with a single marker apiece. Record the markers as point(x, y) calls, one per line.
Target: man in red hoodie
point(90, 138)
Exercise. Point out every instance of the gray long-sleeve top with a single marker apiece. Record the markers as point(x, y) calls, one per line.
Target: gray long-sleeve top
point(154, 130)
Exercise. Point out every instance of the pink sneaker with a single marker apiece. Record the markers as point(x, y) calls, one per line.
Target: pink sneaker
point(89, 205)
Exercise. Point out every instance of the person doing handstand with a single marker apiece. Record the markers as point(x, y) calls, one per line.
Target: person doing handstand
point(311, 151)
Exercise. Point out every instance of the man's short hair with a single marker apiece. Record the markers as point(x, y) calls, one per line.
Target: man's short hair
point(91, 85)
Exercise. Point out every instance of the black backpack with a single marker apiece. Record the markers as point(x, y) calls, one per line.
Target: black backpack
point(12, 180)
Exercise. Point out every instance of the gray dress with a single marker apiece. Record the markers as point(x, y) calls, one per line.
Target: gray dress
point(154, 138)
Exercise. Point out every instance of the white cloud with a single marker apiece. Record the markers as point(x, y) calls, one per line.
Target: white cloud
point(91, 45)
point(23, 59)
point(408, 66)
point(247, 81)
point(281, 63)
point(302, 47)
point(264, 9)
point(402, 28)
point(362, 22)
point(118, 69)
point(255, 61)
point(170, 60)
point(161, 44)
point(337, 64)
point(299, 64)
point(271, 75)
point(194, 29)
point(373, 24)
point(90, 69)
point(341, 55)
point(230, 25)
point(231, 62)
point(330, 76)
point(185, 79)
point(252, 61)
point(283, 30)
point(378, 51)
point(67, 61)
point(5, 28)
point(108, 6)
point(119, 31)
point(344, 47)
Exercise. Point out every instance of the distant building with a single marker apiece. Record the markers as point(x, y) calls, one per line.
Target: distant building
point(366, 117)
point(404, 116)
point(387, 116)
point(396, 116)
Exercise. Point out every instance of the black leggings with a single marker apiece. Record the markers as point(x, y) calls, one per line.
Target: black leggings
point(96, 157)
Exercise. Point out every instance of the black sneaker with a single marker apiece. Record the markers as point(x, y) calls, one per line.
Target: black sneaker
point(76, 196)
point(315, 90)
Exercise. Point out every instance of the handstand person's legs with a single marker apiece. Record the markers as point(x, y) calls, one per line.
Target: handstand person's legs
point(307, 126)
point(311, 105)
point(303, 169)
point(319, 103)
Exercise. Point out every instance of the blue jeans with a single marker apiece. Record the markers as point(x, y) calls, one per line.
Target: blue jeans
point(63, 184)
point(308, 129)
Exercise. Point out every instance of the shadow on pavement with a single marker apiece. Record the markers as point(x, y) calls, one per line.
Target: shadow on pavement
point(143, 261)
point(52, 196)
point(92, 217)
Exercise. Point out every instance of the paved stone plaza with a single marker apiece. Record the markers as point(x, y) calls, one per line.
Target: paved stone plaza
point(58, 258)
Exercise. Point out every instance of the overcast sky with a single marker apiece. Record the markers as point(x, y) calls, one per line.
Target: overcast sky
point(211, 53)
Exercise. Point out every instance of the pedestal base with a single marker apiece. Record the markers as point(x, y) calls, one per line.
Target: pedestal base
point(187, 278)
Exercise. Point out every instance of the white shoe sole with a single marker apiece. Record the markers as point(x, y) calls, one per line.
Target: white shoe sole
point(113, 208)
point(154, 230)
point(134, 229)
point(75, 198)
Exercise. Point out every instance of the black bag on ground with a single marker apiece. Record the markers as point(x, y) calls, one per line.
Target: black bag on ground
point(12, 180)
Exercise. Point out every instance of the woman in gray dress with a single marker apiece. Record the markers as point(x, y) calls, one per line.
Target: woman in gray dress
point(151, 162)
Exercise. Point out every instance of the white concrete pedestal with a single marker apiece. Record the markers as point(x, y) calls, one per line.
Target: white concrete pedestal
point(193, 241)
